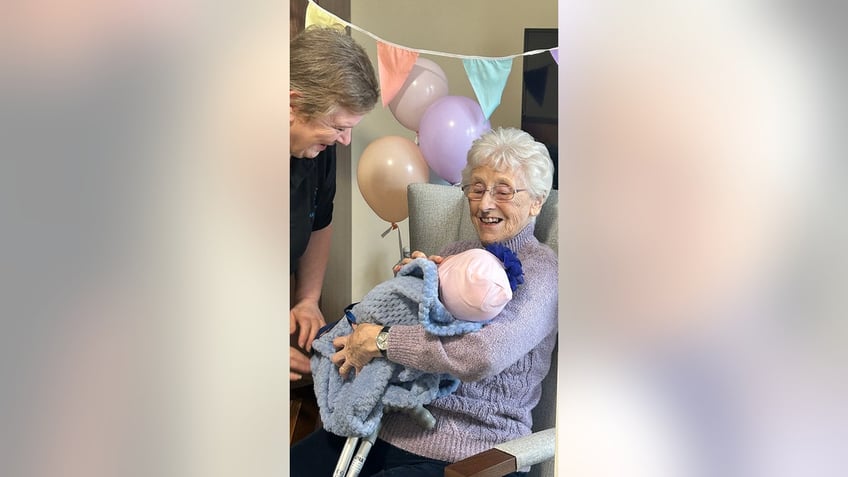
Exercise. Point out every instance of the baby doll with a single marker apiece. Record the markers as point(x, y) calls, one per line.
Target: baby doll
point(459, 296)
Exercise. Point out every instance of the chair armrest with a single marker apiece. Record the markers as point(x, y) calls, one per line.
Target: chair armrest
point(490, 463)
point(507, 457)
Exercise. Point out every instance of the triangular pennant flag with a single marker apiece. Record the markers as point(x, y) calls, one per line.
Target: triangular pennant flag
point(555, 54)
point(394, 64)
point(488, 78)
point(316, 15)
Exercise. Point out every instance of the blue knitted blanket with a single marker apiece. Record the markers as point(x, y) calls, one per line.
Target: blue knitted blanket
point(354, 406)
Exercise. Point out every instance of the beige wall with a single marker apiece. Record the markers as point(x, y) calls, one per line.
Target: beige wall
point(475, 27)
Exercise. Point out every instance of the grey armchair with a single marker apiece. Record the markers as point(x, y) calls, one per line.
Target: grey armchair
point(438, 215)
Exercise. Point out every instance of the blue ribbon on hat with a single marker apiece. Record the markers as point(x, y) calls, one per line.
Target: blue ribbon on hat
point(512, 265)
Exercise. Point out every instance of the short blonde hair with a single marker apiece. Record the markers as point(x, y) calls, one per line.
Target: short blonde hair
point(513, 150)
point(330, 71)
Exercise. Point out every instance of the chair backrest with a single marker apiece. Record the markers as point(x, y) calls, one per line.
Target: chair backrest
point(439, 215)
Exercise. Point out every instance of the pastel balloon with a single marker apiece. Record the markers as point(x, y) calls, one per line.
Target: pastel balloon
point(447, 130)
point(387, 166)
point(425, 84)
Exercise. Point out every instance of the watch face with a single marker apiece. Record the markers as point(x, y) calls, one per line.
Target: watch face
point(382, 340)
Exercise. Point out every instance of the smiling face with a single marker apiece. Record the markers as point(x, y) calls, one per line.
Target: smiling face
point(308, 137)
point(500, 221)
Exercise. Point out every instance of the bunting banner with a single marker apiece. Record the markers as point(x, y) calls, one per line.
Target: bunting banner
point(315, 15)
point(555, 54)
point(394, 65)
point(488, 78)
point(329, 18)
point(487, 75)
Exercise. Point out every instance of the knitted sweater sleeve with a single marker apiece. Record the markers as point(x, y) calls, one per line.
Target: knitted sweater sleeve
point(527, 319)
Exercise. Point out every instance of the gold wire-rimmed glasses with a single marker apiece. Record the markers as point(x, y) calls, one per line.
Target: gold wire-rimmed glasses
point(500, 192)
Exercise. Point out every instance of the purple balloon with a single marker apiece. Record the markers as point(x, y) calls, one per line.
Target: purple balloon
point(446, 132)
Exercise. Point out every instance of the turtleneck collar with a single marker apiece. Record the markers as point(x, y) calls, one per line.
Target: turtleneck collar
point(520, 239)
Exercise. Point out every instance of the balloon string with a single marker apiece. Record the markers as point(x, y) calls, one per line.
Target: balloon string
point(400, 238)
point(400, 241)
point(394, 226)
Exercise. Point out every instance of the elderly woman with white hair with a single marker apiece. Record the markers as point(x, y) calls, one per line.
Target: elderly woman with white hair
point(507, 180)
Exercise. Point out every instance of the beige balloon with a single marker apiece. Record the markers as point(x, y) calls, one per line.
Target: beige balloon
point(387, 166)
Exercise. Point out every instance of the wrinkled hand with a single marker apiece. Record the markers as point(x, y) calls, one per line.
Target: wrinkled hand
point(356, 349)
point(298, 364)
point(306, 317)
point(416, 254)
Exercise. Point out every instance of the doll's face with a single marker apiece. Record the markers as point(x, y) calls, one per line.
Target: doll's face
point(473, 285)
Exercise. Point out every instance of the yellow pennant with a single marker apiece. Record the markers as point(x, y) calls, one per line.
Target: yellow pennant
point(316, 15)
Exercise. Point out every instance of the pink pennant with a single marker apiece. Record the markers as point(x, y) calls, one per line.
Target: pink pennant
point(394, 64)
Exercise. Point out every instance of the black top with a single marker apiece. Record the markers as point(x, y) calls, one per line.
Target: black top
point(312, 189)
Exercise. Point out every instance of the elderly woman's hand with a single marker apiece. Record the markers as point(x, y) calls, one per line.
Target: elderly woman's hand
point(416, 254)
point(356, 349)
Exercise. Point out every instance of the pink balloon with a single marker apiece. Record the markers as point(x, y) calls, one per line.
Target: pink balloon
point(425, 84)
point(447, 130)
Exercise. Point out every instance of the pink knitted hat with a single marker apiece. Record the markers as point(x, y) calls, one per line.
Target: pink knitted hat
point(473, 285)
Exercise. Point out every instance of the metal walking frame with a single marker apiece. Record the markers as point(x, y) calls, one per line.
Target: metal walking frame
point(350, 465)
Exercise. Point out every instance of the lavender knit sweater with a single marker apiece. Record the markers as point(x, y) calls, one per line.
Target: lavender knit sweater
point(501, 366)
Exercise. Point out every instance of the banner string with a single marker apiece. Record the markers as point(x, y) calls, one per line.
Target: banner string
point(427, 52)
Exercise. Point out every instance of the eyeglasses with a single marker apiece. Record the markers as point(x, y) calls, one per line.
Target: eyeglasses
point(500, 192)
